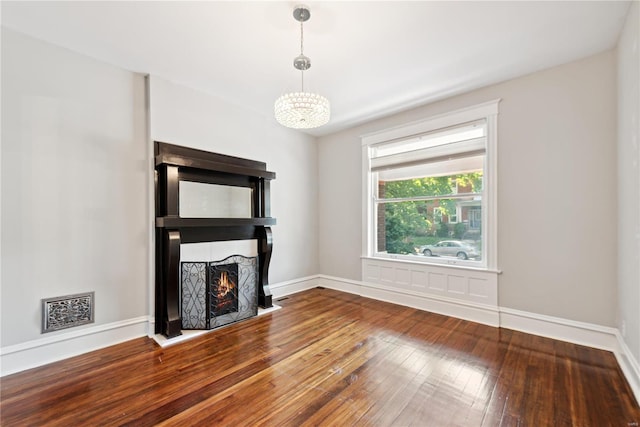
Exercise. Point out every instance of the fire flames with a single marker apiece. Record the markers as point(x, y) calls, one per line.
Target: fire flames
point(224, 285)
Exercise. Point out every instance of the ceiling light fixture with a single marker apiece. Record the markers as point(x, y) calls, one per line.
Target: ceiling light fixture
point(302, 110)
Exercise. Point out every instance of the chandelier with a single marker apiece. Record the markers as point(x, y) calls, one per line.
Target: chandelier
point(302, 110)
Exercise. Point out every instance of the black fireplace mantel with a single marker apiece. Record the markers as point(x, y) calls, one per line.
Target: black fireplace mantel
point(175, 163)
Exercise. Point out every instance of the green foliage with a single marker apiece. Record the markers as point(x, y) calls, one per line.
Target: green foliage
point(431, 186)
point(434, 186)
point(402, 220)
point(458, 230)
point(443, 230)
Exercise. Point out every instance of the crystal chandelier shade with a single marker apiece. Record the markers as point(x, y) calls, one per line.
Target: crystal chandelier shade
point(302, 110)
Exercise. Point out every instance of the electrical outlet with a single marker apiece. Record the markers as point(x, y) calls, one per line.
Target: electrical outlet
point(623, 329)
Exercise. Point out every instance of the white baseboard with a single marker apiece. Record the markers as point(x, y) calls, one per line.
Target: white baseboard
point(629, 365)
point(65, 344)
point(588, 334)
point(62, 345)
point(480, 313)
point(582, 333)
point(290, 287)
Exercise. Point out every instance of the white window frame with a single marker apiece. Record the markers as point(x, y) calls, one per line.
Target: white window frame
point(455, 214)
point(487, 111)
point(437, 215)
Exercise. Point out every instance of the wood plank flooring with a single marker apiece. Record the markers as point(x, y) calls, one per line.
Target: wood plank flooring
point(334, 359)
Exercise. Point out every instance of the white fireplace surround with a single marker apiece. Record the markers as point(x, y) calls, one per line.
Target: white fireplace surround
point(216, 251)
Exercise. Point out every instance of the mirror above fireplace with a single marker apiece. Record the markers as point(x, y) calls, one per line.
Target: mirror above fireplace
point(203, 200)
point(206, 197)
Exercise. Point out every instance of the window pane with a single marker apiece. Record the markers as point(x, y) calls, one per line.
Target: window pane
point(424, 185)
point(425, 228)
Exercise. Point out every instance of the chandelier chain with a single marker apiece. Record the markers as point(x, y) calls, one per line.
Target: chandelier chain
point(301, 39)
point(301, 54)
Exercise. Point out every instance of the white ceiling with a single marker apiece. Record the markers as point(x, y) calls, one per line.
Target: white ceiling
point(369, 58)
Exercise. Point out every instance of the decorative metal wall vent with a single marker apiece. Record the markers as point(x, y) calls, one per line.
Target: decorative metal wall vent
point(218, 293)
point(67, 311)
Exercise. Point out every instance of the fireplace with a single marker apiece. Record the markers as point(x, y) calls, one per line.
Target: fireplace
point(204, 294)
point(217, 293)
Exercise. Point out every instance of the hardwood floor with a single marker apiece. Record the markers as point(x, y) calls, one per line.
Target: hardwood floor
point(335, 359)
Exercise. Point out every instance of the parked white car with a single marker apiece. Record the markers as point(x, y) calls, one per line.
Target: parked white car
point(453, 248)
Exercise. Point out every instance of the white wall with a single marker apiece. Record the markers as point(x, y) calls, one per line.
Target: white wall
point(629, 181)
point(341, 216)
point(557, 190)
point(183, 116)
point(69, 121)
point(74, 197)
point(76, 191)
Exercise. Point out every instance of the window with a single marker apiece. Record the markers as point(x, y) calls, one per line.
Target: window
point(427, 197)
point(437, 214)
point(453, 216)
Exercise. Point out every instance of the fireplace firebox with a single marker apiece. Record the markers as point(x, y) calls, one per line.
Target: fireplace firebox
point(224, 289)
point(231, 203)
point(217, 293)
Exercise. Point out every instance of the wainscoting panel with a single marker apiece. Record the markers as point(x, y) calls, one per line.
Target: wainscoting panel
point(436, 282)
point(463, 284)
point(419, 280)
